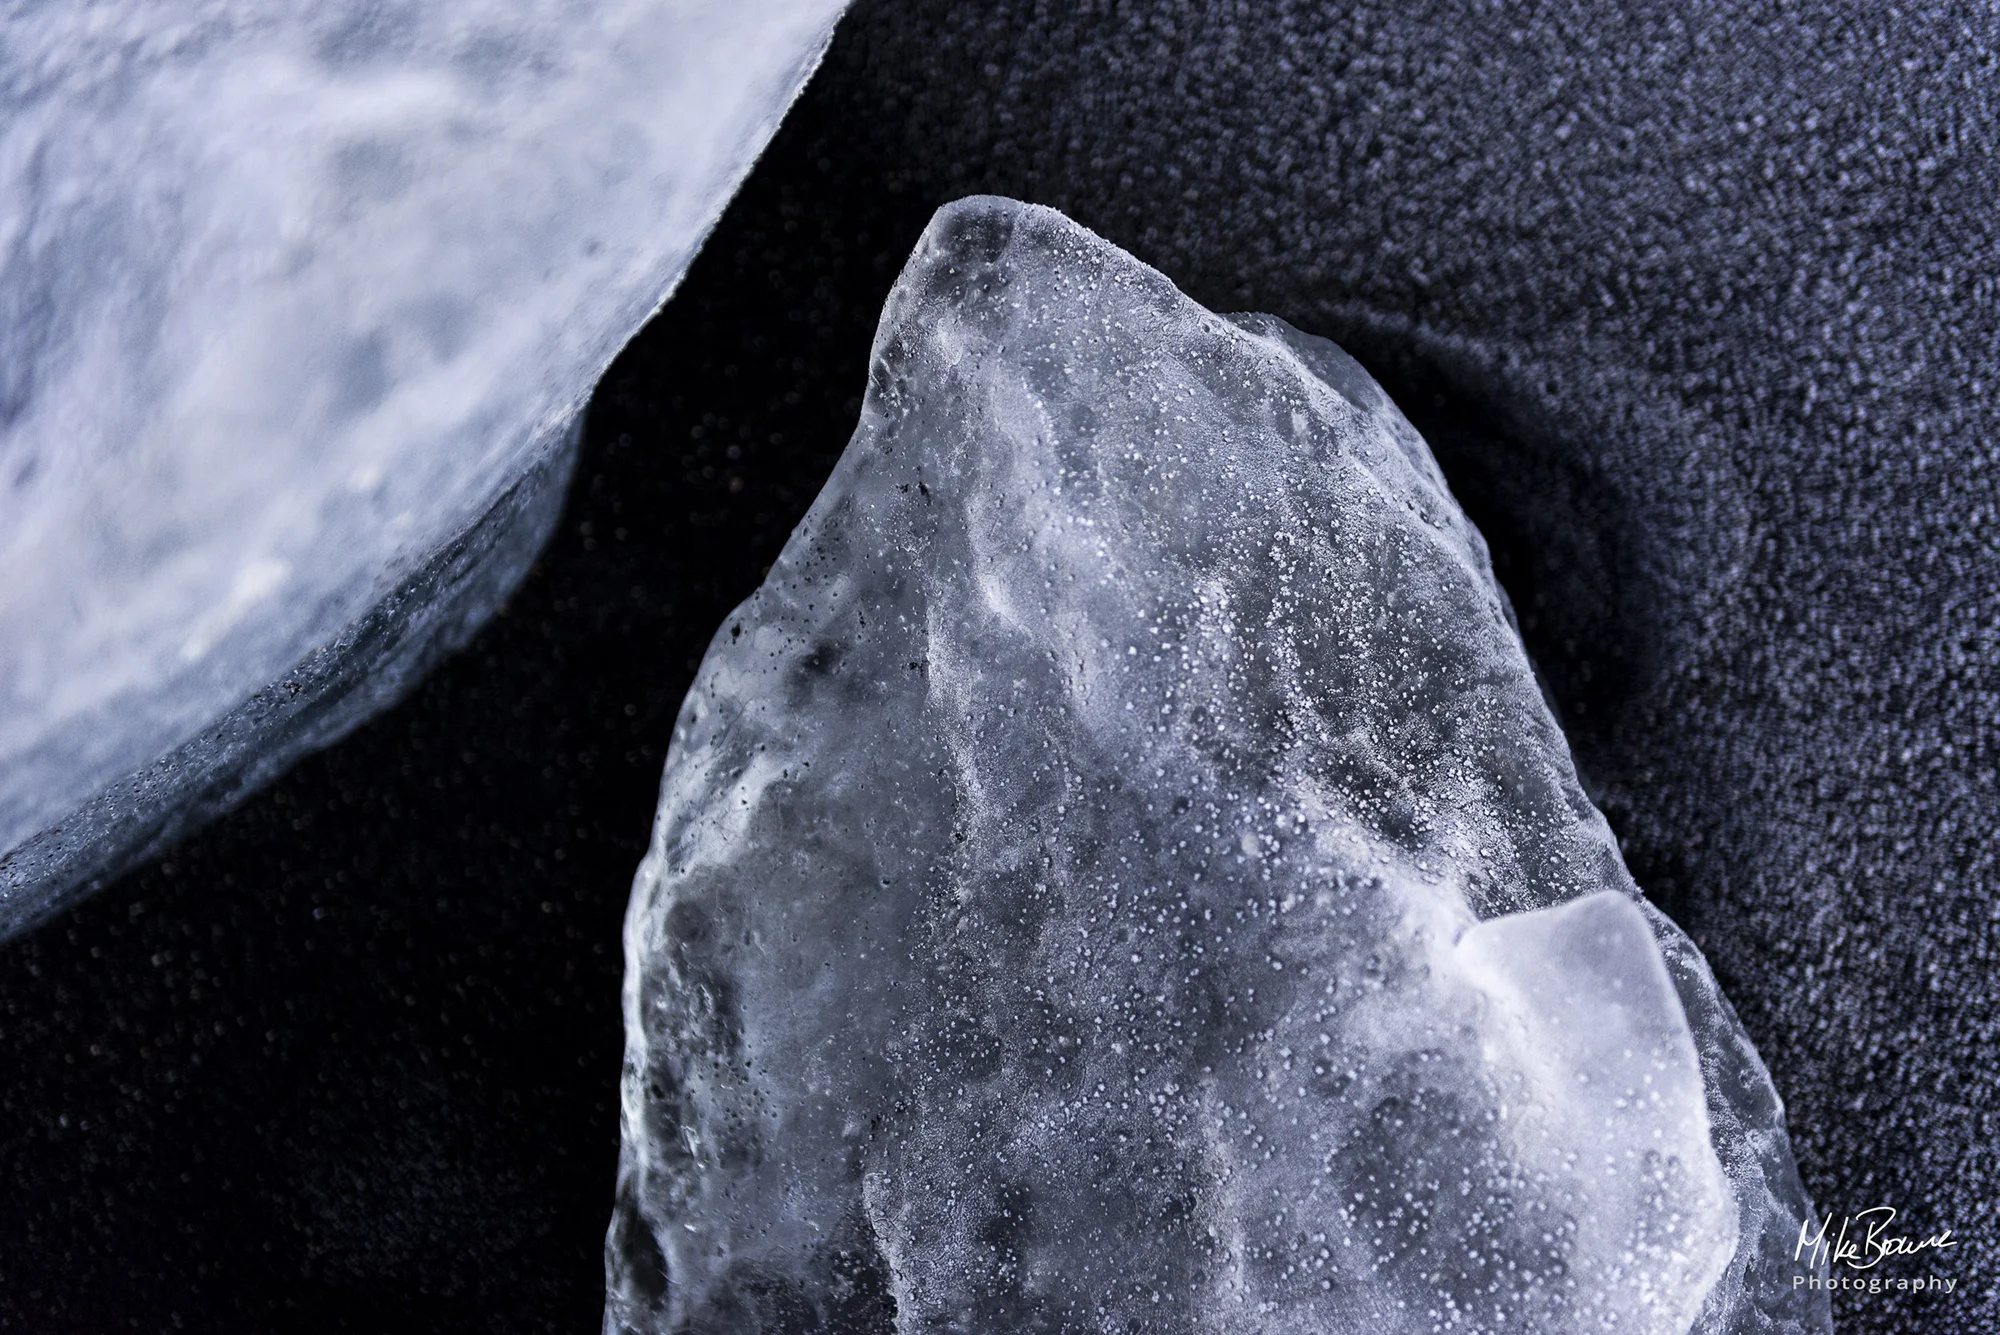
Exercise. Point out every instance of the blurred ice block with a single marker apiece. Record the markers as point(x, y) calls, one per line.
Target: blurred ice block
point(299, 307)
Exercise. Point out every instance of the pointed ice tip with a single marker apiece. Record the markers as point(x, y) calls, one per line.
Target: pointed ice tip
point(976, 229)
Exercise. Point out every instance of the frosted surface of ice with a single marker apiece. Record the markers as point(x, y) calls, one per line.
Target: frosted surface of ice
point(1119, 874)
point(291, 297)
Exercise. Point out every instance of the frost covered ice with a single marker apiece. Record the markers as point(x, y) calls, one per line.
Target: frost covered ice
point(298, 307)
point(1119, 874)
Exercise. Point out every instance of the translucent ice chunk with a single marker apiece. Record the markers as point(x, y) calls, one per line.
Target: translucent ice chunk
point(297, 302)
point(1119, 873)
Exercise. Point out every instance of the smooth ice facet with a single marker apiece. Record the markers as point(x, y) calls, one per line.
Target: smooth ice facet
point(297, 302)
point(1119, 874)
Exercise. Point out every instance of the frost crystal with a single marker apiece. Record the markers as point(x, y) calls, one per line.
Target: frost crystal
point(297, 303)
point(1119, 874)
